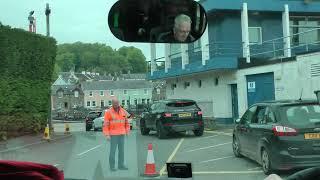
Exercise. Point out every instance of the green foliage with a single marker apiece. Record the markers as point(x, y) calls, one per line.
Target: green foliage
point(26, 68)
point(100, 58)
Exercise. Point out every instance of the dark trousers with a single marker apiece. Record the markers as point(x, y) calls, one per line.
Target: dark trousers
point(116, 141)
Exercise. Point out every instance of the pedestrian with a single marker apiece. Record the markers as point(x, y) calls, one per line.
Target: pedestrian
point(116, 127)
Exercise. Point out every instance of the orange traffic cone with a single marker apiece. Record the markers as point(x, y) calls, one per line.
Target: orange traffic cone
point(150, 165)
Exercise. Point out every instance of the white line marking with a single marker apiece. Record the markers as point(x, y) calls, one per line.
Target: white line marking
point(171, 156)
point(217, 159)
point(254, 168)
point(80, 154)
point(208, 147)
point(56, 165)
point(220, 133)
point(209, 136)
point(31, 144)
point(225, 172)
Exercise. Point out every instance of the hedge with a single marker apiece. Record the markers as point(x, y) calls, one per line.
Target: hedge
point(26, 67)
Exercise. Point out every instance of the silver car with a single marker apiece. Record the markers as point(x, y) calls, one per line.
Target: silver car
point(98, 122)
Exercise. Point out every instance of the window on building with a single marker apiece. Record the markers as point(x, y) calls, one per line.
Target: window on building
point(135, 101)
point(199, 83)
point(66, 105)
point(186, 85)
point(148, 101)
point(125, 92)
point(111, 93)
point(128, 102)
point(88, 104)
point(110, 103)
point(175, 50)
point(300, 24)
point(90, 93)
point(255, 35)
point(158, 90)
point(173, 86)
point(145, 91)
point(101, 93)
point(102, 103)
point(197, 45)
point(60, 94)
point(94, 103)
point(143, 101)
point(76, 94)
point(123, 102)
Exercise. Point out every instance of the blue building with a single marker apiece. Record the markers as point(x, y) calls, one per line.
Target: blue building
point(236, 62)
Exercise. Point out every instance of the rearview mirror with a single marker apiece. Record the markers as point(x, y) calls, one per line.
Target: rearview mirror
point(160, 21)
point(318, 95)
point(237, 121)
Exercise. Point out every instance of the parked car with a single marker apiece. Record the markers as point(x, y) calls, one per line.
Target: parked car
point(176, 115)
point(280, 135)
point(98, 122)
point(90, 117)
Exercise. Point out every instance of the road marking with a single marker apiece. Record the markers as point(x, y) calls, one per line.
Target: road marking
point(56, 165)
point(254, 168)
point(208, 147)
point(31, 144)
point(171, 156)
point(209, 136)
point(224, 172)
point(217, 159)
point(220, 133)
point(80, 154)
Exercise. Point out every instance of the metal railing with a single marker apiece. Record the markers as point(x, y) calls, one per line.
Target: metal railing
point(274, 50)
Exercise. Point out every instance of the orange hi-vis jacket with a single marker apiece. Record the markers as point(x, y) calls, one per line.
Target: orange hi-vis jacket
point(116, 123)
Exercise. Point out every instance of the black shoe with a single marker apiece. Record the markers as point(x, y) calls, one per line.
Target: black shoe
point(113, 169)
point(123, 168)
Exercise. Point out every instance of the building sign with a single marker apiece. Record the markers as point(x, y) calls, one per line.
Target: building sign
point(252, 86)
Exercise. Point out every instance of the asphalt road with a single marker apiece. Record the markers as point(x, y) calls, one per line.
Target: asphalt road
point(84, 155)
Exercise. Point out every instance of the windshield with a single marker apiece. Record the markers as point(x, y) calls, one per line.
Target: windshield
point(197, 83)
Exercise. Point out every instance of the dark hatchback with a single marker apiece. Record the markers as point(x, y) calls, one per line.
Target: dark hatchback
point(90, 117)
point(280, 135)
point(168, 116)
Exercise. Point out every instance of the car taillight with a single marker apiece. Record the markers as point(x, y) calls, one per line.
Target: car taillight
point(284, 131)
point(167, 115)
point(199, 113)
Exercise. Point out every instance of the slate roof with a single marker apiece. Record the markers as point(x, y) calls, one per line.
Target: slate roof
point(121, 84)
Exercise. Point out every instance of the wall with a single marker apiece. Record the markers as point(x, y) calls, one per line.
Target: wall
point(215, 101)
point(290, 79)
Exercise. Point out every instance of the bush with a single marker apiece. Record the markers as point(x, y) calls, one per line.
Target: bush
point(26, 67)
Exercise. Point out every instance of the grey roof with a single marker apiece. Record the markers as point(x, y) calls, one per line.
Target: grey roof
point(133, 76)
point(121, 84)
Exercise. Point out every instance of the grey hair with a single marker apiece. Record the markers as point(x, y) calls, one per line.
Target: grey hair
point(180, 19)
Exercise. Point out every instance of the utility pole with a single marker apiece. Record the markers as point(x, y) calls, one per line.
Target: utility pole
point(47, 13)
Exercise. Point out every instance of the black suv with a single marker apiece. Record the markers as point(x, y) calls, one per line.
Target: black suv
point(280, 135)
point(90, 117)
point(177, 115)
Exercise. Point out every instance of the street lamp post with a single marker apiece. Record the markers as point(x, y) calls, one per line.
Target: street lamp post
point(47, 13)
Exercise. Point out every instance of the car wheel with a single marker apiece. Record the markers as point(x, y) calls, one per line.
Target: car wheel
point(265, 162)
point(236, 147)
point(144, 130)
point(198, 132)
point(160, 131)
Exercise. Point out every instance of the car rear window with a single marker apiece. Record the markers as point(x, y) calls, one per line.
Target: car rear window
point(182, 105)
point(302, 115)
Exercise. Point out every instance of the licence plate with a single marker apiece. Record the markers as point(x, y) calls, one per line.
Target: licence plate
point(185, 115)
point(312, 136)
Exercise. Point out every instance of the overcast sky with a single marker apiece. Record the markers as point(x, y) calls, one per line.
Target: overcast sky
point(71, 21)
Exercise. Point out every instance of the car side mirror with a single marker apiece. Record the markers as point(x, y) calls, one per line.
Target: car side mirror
point(237, 121)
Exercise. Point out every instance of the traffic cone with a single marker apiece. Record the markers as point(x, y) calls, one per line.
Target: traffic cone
point(46, 135)
point(67, 128)
point(150, 170)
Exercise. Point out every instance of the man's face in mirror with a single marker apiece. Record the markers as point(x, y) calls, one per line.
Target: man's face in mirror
point(181, 31)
